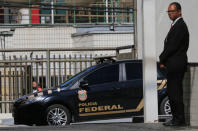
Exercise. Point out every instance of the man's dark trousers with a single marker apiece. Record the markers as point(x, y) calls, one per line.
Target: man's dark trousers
point(175, 94)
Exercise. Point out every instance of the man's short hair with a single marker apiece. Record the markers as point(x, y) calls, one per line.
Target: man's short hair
point(178, 6)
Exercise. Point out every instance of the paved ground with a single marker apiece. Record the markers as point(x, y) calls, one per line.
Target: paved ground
point(101, 127)
point(7, 124)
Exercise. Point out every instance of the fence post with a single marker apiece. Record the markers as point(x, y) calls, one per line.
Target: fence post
point(48, 69)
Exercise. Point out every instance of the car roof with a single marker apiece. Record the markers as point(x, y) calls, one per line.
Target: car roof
point(128, 60)
point(121, 61)
point(105, 60)
point(112, 59)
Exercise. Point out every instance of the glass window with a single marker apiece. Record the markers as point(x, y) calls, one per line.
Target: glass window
point(104, 75)
point(133, 71)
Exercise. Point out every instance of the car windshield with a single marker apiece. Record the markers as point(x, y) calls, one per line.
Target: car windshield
point(75, 77)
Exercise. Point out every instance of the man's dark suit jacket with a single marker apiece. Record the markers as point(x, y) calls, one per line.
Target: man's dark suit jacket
point(174, 55)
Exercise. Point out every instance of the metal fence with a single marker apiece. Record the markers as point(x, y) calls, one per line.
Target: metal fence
point(49, 68)
point(70, 12)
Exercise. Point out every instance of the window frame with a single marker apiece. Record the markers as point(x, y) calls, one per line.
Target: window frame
point(125, 71)
point(106, 65)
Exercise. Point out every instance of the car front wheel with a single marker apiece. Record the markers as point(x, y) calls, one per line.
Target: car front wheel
point(165, 108)
point(58, 115)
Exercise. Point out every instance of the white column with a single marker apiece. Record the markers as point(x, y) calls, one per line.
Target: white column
point(139, 30)
point(149, 62)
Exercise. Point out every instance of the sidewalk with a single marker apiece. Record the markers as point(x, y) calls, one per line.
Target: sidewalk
point(7, 123)
point(101, 127)
point(6, 119)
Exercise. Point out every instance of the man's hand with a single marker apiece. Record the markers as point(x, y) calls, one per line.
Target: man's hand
point(162, 66)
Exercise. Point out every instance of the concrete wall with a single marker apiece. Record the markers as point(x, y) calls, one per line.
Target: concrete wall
point(190, 95)
point(69, 37)
point(40, 37)
point(103, 40)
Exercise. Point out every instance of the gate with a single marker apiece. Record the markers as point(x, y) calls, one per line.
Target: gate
point(14, 83)
point(48, 67)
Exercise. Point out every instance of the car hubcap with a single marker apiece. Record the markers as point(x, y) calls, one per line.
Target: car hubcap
point(57, 116)
point(167, 108)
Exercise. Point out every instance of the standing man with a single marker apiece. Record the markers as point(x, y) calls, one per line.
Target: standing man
point(174, 58)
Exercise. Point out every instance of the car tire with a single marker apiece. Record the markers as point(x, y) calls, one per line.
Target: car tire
point(58, 115)
point(165, 108)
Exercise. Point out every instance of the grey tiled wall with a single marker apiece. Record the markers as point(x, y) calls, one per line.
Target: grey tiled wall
point(190, 87)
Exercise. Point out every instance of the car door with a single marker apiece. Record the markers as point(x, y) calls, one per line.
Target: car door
point(132, 90)
point(102, 95)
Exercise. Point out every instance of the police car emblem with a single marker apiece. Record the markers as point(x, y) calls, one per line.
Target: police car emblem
point(82, 95)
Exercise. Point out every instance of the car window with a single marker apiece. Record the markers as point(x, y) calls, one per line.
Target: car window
point(75, 77)
point(133, 71)
point(104, 75)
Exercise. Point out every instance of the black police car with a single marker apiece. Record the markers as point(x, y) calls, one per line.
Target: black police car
point(107, 90)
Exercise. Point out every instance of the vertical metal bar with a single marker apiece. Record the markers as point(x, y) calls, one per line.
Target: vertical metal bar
point(67, 17)
point(37, 72)
point(107, 13)
point(6, 17)
point(65, 67)
point(74, 11)
point(22, 82)
point(97, 16)
point(9, 82)
point(70, 66)
point(59, 70)
point(86, 61)
point(30, 20)
point(126, 16)
point(26, 83)
point(122, 16)
point(134, 50)
point(52, 11)
point(1, 88)
point(91, 63)
point(89, 13)
point(42, 76)
point(54, 77)
point(13, 83)
point(15, 79)
point(112, 12)
point(4, 89)
point(96, 55)
point(80, 62)
point(1, 93)
point(17, 83)
point(20, 77)
point(131, 16)
point(118, 6)
point(75, 67)
point(48, 69)
point(31, 73)
point(4, 42)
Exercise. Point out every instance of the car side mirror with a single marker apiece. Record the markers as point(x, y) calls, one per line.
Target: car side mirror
point(84, 85)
